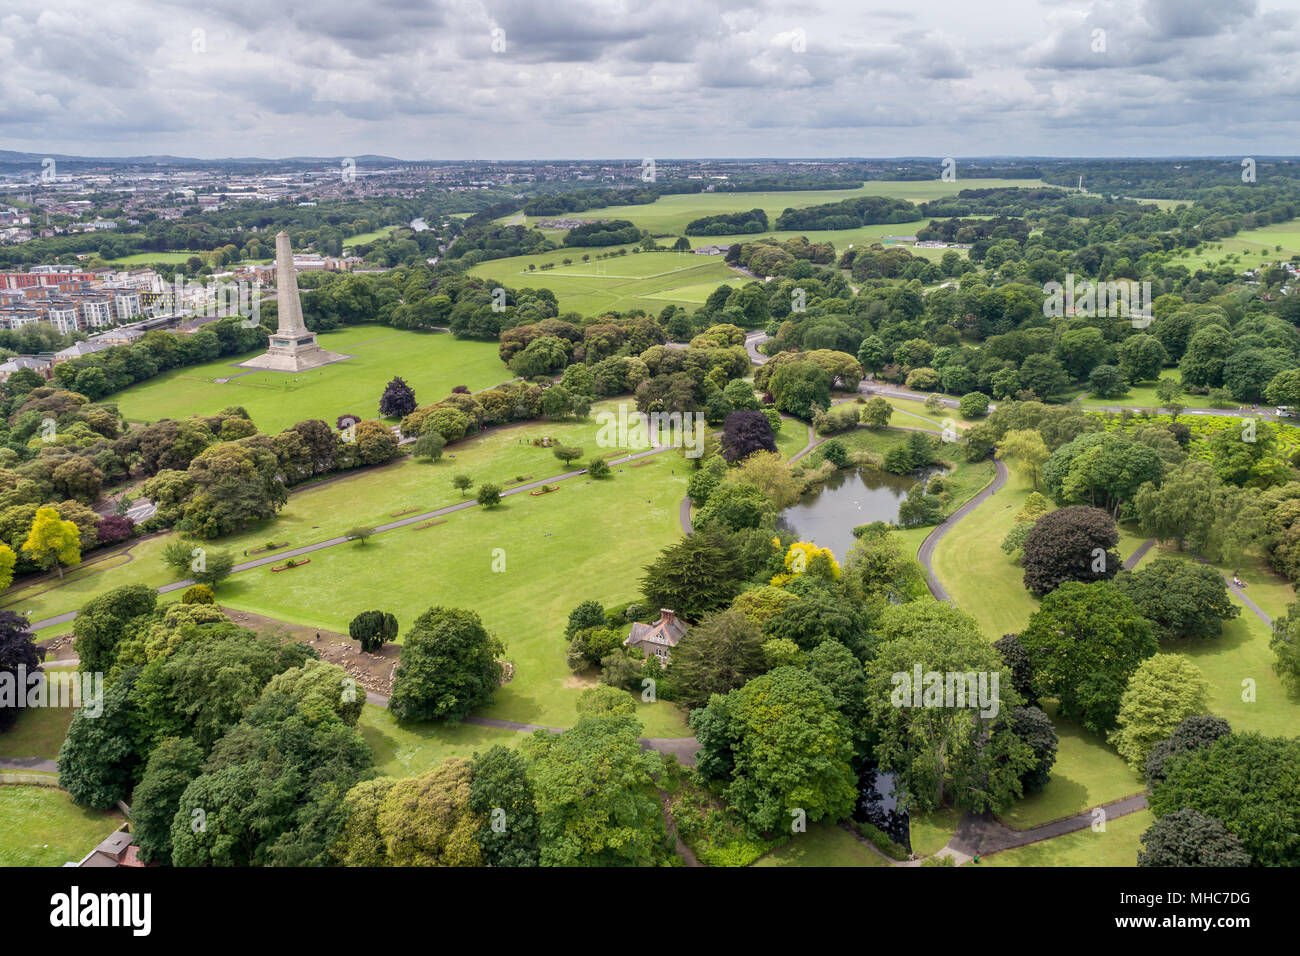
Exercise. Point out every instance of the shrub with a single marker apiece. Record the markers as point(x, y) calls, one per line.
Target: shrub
point(198, 594)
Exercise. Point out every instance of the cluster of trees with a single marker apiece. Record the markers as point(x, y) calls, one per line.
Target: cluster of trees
point(102, 373)
point(1222, 798)
point(789, 653)
point(585, 797)
point(212, 486)
point(233, 748)
point(848, 214)
point(612, 232)
point(726, 224)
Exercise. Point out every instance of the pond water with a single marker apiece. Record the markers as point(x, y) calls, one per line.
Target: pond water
point(878, 805)
point(828, 514)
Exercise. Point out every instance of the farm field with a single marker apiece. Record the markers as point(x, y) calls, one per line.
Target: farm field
point(432, 363)
point(41, 826)
point(645, 280)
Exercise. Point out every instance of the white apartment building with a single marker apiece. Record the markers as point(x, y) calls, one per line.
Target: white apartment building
point(63, 316)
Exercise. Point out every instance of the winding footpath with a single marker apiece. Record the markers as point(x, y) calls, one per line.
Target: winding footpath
point(925, 554)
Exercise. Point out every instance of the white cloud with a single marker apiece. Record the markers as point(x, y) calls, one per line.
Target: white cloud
point(601, 78)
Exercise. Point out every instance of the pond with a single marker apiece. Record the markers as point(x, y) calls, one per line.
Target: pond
point(828, 514)
point(878, 805)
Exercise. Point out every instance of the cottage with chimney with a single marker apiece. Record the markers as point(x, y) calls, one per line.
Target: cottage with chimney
point(658, 638)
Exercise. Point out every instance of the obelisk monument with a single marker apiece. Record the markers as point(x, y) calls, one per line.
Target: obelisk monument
point(293, 347)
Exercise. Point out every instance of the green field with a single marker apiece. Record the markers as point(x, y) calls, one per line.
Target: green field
point(41, 826)
point(432, 363)
point(587, 540)
point(1144, 396)
point(669, 215)
point(646, 280)
point(979, 576)
point(409, 750)
point(1117, 845)
point(38, 731)
point(323, 510)
point(1251, 247)
point(824, 844)
point(364, 237)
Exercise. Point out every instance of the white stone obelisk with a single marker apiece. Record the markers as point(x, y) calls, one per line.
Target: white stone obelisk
point(293, 347)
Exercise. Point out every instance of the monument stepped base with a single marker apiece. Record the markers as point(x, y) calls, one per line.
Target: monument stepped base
point(273, 361)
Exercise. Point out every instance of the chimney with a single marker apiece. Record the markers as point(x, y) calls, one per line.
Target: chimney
point(667, 616)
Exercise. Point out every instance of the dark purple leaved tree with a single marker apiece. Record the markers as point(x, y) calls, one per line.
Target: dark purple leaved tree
point(744, 433)
point(398, 399)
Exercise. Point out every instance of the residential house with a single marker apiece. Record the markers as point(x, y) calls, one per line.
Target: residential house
point(658, 638)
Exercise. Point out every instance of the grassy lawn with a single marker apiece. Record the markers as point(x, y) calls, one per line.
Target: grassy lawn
point(1242, 654)
point(1144, 396)
point(792, 437)
point(38, 731)
point(168, 258)
point(972, 566)
point(824, 844)
point(1118, 845)
point(646, 280)
point(930, 832)
point(316, 512)
point(432, 364)
point(364, 237)
point(588, 540)
point(41, 826)
point(1087, 773)
point(405, 751)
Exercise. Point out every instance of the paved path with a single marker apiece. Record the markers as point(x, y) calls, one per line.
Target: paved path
point(926, 552)
point(28, 763)
point(981, 835)
point(684, 515)
point(752, 341)
point(1132, 561)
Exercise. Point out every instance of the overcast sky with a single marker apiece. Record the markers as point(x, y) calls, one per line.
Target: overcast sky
point(519, 79)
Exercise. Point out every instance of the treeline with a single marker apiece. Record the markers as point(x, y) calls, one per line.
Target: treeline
point(849, 214)
point(615, 232)
point(113, 369)
point(725, 224)
point(1164, 178)
point(218, 475)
